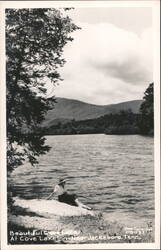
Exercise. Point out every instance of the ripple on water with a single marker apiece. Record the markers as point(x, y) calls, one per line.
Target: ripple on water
point(111, 173)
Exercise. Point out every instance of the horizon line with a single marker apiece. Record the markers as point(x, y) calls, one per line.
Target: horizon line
point(97, 104)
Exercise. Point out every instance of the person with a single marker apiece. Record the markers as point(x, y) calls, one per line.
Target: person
point(64, 196)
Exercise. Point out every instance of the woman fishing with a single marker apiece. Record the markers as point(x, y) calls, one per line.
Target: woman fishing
point(64, 196)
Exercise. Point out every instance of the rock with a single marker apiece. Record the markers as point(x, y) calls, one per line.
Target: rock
point(49, 208)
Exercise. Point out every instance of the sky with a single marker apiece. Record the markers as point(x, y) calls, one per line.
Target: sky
point(110, 59)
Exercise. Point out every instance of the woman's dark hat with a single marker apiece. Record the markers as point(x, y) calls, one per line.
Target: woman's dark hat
point(62, 180)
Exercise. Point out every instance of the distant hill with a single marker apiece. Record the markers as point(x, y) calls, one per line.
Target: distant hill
point(68, 109)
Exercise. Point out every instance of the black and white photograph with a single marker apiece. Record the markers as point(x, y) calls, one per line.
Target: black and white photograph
point(82, 128)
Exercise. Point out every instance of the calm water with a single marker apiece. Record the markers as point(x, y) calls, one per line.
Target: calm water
point(112, 174)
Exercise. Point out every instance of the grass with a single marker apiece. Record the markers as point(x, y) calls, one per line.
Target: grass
point(72, 230)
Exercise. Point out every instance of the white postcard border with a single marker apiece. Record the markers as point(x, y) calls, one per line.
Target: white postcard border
point(81, 4)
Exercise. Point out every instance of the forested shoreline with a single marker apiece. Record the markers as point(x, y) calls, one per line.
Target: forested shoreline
point(123, 122)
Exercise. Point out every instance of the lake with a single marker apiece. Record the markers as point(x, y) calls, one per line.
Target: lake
point(110, 173)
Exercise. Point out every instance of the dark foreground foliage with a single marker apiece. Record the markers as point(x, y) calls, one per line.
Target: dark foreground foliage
point(35, 39)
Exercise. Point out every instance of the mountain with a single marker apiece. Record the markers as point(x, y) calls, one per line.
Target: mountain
point(68, 109)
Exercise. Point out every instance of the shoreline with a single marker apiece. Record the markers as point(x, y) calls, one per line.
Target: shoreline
point(100, 134)
point(28, 227)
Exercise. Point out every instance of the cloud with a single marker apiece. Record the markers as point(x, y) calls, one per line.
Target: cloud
point(106, 64)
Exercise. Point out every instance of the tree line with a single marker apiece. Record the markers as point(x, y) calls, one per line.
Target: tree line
point(123, 122)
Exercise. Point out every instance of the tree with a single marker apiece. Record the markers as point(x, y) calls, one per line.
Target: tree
point(146, 120)
point(35, 39)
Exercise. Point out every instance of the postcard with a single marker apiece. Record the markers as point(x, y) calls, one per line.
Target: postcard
point(80, 125)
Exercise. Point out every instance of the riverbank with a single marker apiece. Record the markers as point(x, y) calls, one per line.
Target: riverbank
point(76, 227)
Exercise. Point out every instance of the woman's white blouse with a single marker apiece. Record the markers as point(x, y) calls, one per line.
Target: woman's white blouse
point(59, 190)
